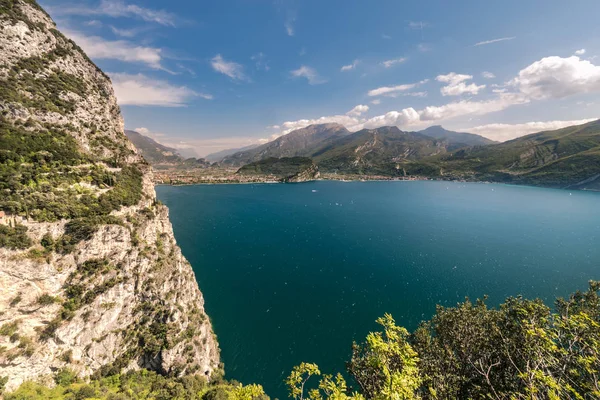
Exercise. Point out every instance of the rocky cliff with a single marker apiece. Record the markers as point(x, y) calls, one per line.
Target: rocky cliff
point(91, 278)
point(310, 173)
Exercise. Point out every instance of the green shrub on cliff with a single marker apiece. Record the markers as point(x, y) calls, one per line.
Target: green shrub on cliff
point(139, 385)
point(520, 350)
point(44, 176)
point(14, 238)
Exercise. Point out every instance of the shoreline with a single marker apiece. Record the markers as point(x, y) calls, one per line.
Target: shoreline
point(373, 180)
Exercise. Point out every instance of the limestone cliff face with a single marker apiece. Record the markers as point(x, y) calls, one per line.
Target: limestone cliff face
point(309, 174)
point(98, 283)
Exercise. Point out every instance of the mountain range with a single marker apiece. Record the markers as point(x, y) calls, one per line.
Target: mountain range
point(161, 156)
point(330, 141)
point(564, 158)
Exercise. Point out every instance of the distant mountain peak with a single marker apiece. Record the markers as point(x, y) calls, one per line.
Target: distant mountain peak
point(456, 139)
point(300, 142)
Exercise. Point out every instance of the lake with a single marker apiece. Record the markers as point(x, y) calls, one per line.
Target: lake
point(296, 272)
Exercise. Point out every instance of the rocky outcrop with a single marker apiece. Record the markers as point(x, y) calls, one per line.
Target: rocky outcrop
point(310, 173)
point(99, 285)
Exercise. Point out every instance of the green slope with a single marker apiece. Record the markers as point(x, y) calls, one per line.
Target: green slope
point(379, 151)
point(561, 158)
point(285, 168)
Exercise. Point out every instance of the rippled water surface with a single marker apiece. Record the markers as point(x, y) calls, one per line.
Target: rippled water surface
point(295, 272)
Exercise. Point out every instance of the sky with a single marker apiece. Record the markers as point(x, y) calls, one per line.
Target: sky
point(218, 74)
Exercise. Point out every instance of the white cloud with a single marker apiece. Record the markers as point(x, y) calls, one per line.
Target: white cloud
point(407, 116)
point(140, 90)
point(494, 41)
point(116, 9)
point(261, 62)
point(423, 47)
point(122, 50)
point(410, 116)
point(415, 94)
point(456, 84)
point(417, 24)
point(350, 66)
point(376, 101)
point(488, 75)
point(391, 63)
point(309, 73)
point(289, 22)
point(386, 37)
point(556, 77)
point(550, 77)
point(93, 22)
point(465, 107)
point(503, 132)
point(392, 90)
point(580, 52)
point(229, 68)
point(128, 33)
point(289, 28)
point(358, 110)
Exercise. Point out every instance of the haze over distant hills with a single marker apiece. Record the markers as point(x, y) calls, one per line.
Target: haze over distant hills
point(160, 155)
point(220, 155)
point(153, 151)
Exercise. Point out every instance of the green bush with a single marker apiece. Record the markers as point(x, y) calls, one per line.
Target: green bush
point(65, 377)
point(9, 328)
point(40, 171)
point(46, 300)
point(138, 385)
point(14, 238)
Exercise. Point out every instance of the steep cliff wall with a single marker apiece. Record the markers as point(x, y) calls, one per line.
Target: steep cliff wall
point(91, 278)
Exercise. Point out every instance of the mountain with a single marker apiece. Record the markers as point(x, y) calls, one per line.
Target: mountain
point(160, 156)
point(91, 278)
point(299, 143)
point(220, 155)
point(378, 151)
point(152, 151)
point(285, 169)
point(456, 139)
point(369, 151)
point(563, 158)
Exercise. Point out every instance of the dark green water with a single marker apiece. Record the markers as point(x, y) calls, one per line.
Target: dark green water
point(295, 272)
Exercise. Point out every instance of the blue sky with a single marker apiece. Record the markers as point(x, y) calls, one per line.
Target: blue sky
point(228, 73)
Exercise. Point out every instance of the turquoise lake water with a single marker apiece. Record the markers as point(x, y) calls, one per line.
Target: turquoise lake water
point(296, 272)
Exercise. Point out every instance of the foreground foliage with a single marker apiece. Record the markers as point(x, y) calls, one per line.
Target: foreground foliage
point(521, 350)
point(138, 385)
